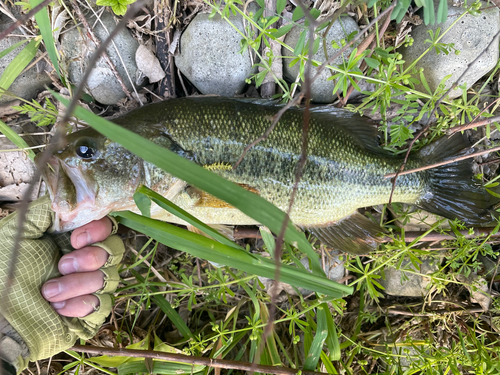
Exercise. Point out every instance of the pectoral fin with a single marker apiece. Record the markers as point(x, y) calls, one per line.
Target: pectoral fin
point(355, 234)
point(206, 200)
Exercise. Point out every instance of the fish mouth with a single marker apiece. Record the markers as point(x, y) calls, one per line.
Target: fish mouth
point(69, 191)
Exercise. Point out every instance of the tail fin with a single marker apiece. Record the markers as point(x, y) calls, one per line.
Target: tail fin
point(452, 191)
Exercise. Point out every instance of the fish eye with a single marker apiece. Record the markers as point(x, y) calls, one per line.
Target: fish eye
point(86, 149)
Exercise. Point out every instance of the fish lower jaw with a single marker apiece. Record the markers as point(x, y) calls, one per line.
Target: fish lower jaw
point(69, 219)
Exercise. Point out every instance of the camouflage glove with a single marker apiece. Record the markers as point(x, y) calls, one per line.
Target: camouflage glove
point(32, 330)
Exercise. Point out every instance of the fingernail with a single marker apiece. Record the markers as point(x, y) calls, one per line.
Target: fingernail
point(69, 265)
point(83, 239)
point(58, 305)
point(51, 289)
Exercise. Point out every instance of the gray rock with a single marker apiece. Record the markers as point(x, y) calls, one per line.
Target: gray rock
point(16, 169)
point(400, 283)
point(471, 35)
point(210, 55)
point(102, 83)
point(28, 83)
point(321, 89)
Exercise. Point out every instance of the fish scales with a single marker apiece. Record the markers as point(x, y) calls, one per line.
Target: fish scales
point(340, 174)
point(93, 176)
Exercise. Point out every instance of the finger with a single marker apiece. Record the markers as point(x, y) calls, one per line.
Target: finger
point(92, 232)
point(77, 307)
point(74, 285)
point(90, 258)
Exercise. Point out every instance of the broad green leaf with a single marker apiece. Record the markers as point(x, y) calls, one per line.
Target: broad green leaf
point(442, 13)
point(6, 51)
point(16, 139)
point(206, 248)
point(312, 357)
point(117, 360)
point(330, 369)
point(429, 15)
point(372, 63)
point(143, 204)
point(246, 201)
point(17, 65)
point(332, 341)
point(43, 22)
point(268, 239)
point(300, 43)
point(297, 14)
point(282, 30)
point(280, 6)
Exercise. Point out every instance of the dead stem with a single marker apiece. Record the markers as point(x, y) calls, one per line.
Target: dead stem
point(410, 236)
point(24, 18)
point(449, 161)
point(473, 124)
point(192, 360)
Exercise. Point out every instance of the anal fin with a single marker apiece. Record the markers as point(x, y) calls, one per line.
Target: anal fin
point(355, 234)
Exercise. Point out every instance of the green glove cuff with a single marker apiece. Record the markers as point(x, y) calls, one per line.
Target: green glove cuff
point(114, 247)
point(93, 321)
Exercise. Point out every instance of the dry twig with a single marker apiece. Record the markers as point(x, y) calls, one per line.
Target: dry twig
point(444, 162)
point(192, 360)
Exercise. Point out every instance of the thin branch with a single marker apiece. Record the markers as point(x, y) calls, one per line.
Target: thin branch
point(410, 236)
point(268, 330)
point(436, 106)
point(444, 162)
point(192, 360)
point(472, 125)
point(435, 236)
point(435, 313)
point(370, 44)
point(24, 18)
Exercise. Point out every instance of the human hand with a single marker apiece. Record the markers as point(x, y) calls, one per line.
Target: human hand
point(31, 328)
point(71, 295)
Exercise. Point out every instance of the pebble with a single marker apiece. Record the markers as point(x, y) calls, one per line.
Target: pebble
point(102, 84)
point(210, 55)
point(471, 35)
point(412, 285)
point(321, 89)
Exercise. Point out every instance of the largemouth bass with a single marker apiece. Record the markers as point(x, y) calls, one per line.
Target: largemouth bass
point(93, 176)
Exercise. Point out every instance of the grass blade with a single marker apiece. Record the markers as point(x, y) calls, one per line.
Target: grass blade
point(180, 213)
point(6, 51)
point(318, 341)
point(16, 139)
point(246, 201)
point(43, 22)
point(206, 248)
point(332, 341)
point(17, 65)
point(167, 308)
